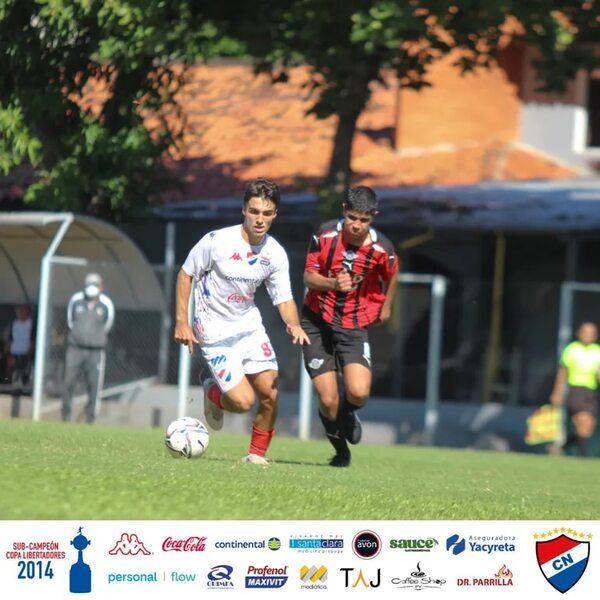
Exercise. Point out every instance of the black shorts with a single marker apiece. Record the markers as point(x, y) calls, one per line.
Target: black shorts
point(331, 346)
point(582, 399)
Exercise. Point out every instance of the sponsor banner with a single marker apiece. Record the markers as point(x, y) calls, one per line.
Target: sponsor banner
point(298, 559)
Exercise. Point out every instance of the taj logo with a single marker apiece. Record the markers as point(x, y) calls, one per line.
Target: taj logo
point(563, 559)
point(192, 544)
point(235, 256)
point(129, 544)
point(359, 579)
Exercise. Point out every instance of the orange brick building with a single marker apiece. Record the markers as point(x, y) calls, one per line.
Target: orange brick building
point(490, 125)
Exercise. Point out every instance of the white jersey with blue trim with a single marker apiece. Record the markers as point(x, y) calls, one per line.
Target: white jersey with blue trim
point(227, 270)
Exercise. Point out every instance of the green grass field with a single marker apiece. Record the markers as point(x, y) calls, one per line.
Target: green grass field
point(65, 471)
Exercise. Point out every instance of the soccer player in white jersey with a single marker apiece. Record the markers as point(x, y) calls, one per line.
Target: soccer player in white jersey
point(227, 266)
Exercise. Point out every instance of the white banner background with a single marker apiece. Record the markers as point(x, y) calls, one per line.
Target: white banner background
point(394, 572)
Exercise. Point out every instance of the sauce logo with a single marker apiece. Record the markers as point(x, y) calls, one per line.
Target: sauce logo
point(366, 544)
point(562, 559)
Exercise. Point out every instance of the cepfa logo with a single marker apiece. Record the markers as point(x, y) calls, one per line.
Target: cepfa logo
point(455, 544)
point(129, 544)
point(562, 558)
point(366, 544)
point(360, 578)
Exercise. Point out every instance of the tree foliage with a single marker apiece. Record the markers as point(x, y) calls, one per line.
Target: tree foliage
point(348, 44)
point(87, 96)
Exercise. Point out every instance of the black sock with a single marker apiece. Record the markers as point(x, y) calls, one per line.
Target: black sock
point(571, 439)
point(336, 439)
point(582, 443)
point(346, 407)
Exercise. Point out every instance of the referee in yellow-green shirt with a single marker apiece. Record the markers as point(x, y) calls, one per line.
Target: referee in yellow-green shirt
point(580, 370)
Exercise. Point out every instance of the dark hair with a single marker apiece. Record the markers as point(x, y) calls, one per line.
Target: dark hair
point(361, 199)
point(262, 188)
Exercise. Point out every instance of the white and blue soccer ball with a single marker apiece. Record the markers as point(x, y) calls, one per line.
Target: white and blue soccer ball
point(187, 437)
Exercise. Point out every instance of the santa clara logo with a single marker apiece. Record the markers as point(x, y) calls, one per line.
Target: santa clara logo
point(562, 557)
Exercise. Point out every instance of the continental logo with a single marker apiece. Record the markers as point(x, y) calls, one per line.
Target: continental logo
point(313, 578)
point(414, 545)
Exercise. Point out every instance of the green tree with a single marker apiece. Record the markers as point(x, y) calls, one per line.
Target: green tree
point(348, 44)
point(88, 96)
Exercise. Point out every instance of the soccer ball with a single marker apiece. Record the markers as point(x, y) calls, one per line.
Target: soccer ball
point(187, 437)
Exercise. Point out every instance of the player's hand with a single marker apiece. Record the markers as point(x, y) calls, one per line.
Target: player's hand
point(184, 335)
point(384, 314)
point(343, 282)
point(556, 398)
point(298, 334)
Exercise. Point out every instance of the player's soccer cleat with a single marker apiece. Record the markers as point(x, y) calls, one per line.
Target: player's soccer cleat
point(340, 460)
point(212, 413)
point(255, 459)
point(353, 428)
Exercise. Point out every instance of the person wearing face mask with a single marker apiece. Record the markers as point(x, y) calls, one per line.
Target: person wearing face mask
point(90, 317)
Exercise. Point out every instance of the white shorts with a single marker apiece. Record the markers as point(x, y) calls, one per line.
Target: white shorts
point(245, 354)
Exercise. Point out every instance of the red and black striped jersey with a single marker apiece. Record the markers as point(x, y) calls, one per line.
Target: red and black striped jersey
point(371, 265)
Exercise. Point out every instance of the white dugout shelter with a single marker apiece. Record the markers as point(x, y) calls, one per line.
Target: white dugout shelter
point(44, 258)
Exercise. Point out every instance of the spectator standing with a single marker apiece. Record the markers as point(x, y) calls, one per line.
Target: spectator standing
point(90, 317)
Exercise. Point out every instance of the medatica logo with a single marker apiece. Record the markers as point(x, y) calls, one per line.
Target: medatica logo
point(308, 544)
point(313, 578)
point(266, 577)
point(366, 544)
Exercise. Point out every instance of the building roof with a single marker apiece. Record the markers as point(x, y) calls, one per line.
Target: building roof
point(543, 206)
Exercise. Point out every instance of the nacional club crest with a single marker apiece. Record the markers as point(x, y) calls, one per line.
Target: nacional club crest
point(562, 560)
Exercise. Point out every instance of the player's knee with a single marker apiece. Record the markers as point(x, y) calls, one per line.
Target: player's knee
point(358, 393)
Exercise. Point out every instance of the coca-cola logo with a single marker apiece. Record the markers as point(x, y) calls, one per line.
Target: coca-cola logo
point(191, 544)
point(238, 298)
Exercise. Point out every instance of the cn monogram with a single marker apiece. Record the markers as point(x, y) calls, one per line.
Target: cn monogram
point(192, 544)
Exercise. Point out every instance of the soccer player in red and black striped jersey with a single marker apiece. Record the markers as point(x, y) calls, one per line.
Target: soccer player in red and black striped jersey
point(350, 273)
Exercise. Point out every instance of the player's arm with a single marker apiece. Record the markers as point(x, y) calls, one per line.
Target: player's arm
point(289, 313)
point(390, 293)
point(183, 332)
point(556, 397)
point(342, 282)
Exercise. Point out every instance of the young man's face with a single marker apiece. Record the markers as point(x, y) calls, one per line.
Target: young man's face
point(588, 333)
point(258, 217)
point(356, 225)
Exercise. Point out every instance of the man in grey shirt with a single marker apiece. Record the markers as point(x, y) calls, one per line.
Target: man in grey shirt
point(90, 316)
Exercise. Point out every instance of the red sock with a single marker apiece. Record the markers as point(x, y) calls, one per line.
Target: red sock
point(214, 395)
point(260, 441)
